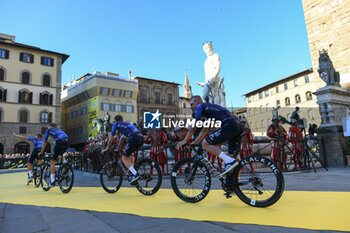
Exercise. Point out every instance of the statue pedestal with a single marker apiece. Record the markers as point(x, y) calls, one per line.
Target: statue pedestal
point(334, 105)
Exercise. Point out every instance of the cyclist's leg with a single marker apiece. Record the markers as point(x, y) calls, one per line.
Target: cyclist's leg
point(134, 143)
point(229, 131)
point(31, 159)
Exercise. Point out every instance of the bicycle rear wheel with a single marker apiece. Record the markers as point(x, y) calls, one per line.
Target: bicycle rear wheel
point(111, 177)
point(190, 181)
point(66, 177)
point(150, 176)
point(45, 177)
point(257, 181)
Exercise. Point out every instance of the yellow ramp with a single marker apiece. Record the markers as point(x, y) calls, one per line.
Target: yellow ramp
point(299, 209)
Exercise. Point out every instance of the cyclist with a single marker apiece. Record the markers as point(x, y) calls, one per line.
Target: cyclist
point(230, 131)
point(135, 141)
point(61, 145)
point(38, 144)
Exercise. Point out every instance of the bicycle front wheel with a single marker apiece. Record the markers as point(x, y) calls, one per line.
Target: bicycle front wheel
point(111, 177)
point(150, 176)
point(36, 175)
point(258, 181)
point(66, 177)
point(45, 177)
point(190, 181)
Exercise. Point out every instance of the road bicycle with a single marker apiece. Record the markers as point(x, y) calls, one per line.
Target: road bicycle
point(261, 186)
point(111, 175)
point(64, 176)
point(37, 165)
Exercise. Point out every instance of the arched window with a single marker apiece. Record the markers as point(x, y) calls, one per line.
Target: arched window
point(22, 147)
point(44, 117)
point(23, 116)
point(2, 74)
point(46, 80)
point(278, 103)
point(287, 101)
point(308, 95)
point(25, 97)
point(262, 109)
point(297, 99)
point(263, 123)
point(25, 77)
point(268, 107)
point(250, 112)
point(46, 98)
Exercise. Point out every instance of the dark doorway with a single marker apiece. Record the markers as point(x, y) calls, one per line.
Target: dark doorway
point(22, 147)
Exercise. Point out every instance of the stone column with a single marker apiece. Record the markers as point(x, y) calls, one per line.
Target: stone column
point(334, 103)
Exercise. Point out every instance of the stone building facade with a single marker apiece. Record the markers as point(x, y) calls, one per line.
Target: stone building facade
point(328, 27)
point(287, 93)
point(30, 92)
point(156, 94)
point(92, 96)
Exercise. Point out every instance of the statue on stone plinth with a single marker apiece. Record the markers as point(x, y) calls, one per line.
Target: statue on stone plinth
point(326, 70)
point(212, 79)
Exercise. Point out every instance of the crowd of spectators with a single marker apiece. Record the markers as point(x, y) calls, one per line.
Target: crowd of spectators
point(23, 155)
point(14, 156)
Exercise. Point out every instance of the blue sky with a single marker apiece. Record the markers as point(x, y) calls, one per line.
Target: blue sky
point(258, 41)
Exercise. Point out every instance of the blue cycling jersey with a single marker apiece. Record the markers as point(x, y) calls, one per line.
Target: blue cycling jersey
point(38, 143)
point(125, 128)
point(213, 111)
point(56, 133)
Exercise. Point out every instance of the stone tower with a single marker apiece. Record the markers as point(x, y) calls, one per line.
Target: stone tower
point(328, 27)
point(187, 92)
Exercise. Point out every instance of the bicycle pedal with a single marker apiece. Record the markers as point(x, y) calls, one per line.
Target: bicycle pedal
point(228, 195)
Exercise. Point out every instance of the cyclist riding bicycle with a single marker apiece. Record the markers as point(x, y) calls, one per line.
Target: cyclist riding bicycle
point(61, 145)
point(38, 144)
point(135, 141)
point(230, 131)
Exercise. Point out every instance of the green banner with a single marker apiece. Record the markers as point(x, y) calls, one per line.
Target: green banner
point(93, 113)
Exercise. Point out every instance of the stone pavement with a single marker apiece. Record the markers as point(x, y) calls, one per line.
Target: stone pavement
point(26, 218)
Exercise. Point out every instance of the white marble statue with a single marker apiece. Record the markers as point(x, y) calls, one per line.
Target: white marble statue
point(212, 79)
point(222, 93)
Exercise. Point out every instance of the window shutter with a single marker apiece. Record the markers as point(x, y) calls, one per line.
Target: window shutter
point(52, 61)
point(41, 99)
point(7, 54)
point(21, 56)
point(31, 58)
point(50, 117)
point(31, 97)
point(19, 97)
point(51, 98)
point(42, 60)
point(4, 95)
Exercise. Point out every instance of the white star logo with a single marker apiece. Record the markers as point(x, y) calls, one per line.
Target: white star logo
point(156, 115)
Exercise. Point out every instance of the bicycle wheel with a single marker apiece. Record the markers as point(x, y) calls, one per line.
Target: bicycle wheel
point(190, 181)
point(45, 177)
point(150, 176)
point(36, 174)
point(257, 181)
point(65, 177)
point(111, 177)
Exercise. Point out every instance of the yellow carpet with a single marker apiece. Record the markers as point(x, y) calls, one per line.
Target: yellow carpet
point(299, 209)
